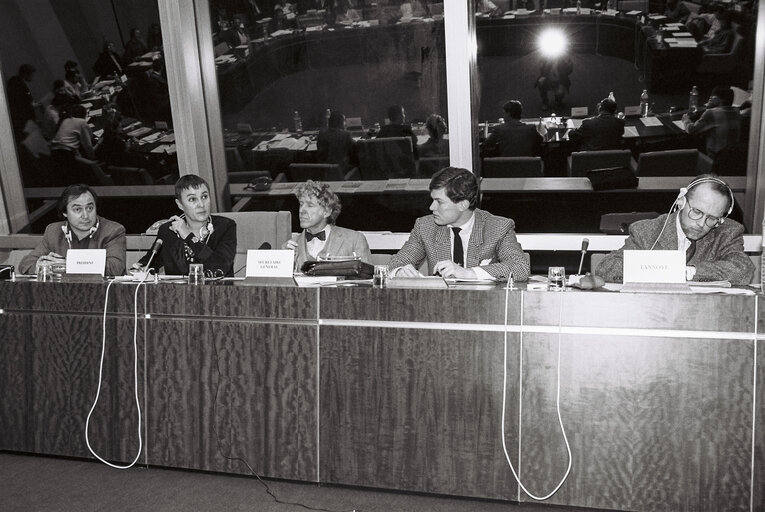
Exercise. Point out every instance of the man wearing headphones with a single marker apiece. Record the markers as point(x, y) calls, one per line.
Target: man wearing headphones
point(698, 225)
point(81, 228)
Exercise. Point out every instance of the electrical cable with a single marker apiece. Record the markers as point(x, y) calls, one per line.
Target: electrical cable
point(557, 401)
point(135, 370)
point(243, 461)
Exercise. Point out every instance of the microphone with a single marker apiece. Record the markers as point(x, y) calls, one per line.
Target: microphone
point(585, 244)
point(264, 246)
point(156, 246)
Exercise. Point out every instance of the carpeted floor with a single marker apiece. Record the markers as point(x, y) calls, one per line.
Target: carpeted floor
point(32, 483)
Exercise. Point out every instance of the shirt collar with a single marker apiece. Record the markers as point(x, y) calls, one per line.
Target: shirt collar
point(467, 228)
point(682, 241)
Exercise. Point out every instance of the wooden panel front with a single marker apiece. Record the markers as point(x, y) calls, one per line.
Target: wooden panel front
point(417, 305)
point(758, 490)
point(15, 381)
point(726, 313)
point(233, 389)
point(655, 424)
point(417, 410)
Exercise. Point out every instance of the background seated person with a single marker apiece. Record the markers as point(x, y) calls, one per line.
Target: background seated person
point(108, 62)
point(335, 144)
point(52, 115)
point(81, 228)
point(321, 238)
point(720, 124)
point(73, 139)
point(397, 126)
point(195, 236)
point(134, 47)
point(714, 244)
point(458, 239)
point(603, 131)
point(513, 138)
point(436, 145)
point(722, 39)
point(676, 11)
point(554, 75)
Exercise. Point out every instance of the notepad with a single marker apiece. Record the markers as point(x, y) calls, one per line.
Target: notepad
point(630, 131)
point(680, 124)
point(650, 121)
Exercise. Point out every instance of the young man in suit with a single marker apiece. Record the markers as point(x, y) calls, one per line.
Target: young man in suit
point(458, 239)
point(713, 244)
point(321, 238)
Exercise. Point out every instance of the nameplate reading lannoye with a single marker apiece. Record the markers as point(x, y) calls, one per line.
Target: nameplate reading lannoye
point(86, 261)
point(654, 266)
point(270, 263)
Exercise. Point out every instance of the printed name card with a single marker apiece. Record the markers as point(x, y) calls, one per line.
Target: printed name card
point(579, 111)
point(86, 261)
point(654, 266)
point(270, 263)
point(632, 110)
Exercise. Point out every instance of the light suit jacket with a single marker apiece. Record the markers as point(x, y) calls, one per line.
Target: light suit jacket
point(340, 242)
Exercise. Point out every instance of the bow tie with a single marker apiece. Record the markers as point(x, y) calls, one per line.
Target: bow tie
point(321, 235)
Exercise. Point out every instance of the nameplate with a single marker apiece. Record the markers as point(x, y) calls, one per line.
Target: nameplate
point(632, 110)
point(86, 261)
point(579, 111)
point(654, 267)
point(270, 263)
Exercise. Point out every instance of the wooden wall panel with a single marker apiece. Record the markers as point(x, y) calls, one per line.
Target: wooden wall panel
point(758, 494)
point(416, 410)
point(734, 313)
point(654, 424)
point(65, 352)
point(226, 300)
point(413, 305)
point(81, 297)
point(265, 407)
point(15, 377)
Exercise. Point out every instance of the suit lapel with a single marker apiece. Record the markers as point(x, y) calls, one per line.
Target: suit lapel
point(333, 243)
point(476, 240)
point(443, 243)
point(668, 239)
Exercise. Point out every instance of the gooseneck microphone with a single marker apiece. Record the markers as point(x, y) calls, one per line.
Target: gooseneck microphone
point(156, 246)
point(585, 244)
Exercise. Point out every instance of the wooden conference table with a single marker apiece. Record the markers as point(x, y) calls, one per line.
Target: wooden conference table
point(402, 388)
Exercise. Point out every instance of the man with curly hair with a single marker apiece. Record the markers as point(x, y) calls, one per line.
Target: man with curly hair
point(321, 238)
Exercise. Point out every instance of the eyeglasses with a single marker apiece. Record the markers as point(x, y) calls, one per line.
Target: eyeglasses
point(696, 214)
point(214, 274)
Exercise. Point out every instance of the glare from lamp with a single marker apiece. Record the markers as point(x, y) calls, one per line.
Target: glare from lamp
point(552, 43)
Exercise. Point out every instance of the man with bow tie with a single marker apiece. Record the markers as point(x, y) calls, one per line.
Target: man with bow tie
point(321, 238)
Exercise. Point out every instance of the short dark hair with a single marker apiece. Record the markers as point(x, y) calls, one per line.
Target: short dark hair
point(436, 126)
point(514, 109)
point(725, 94)
point(78, 110)
point(607, 105)
point(188, 181)
point(71, 192)
point(324, 195)
point(460, 184)
point(396, 113)
point(336, 120)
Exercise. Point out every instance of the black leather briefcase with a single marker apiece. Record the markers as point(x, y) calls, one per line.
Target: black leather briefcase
point(612, 178)
point(349, 269)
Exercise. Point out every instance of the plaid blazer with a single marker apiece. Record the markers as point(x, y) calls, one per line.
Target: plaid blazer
point(719, 255)
point(493, 239)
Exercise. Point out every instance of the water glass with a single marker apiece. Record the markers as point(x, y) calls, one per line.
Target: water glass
point(196, 273)
point(556, 279)
point(44, 273)
point(380, 278)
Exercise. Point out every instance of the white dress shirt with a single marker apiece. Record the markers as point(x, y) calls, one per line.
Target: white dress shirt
point(465, 231)
point(315, 246)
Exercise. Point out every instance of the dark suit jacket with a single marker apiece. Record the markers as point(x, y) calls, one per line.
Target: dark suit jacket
point(336, 146)
point(513, 138)
point(493, 238)
point(217, 253)
point(601, 132)
point(341, 242)
point(399, 130)
point(719, 255)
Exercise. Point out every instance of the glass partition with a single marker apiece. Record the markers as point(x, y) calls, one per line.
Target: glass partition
point(88, 97)
point(353, 92)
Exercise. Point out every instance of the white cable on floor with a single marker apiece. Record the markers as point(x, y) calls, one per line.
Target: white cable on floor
point(557, 401)
point(135, 372)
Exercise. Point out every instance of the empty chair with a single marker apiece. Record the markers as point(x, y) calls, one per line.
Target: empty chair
point(619, 223)
point(731, 160)
point(253, 229)
point(673, 162)
point(723, 63)
point(389, 157)
point(513, 167)
point(316, 172)
point(582, 161)
point(428, 166)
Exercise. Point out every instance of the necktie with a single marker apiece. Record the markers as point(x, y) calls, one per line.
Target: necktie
point(459, 254)
point(690, 251)
point(321, 235)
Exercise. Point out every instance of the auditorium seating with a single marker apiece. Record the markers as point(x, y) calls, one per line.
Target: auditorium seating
point(674, 162)
point(255, 228)
point(723, 63)
point(582, 161)
point(390, 157)
point(513, 167)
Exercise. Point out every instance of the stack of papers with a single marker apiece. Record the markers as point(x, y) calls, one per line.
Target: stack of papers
point(650, 121)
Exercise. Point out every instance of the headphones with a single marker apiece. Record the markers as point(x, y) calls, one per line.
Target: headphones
point(206, 231)
point(681, 197)
point(68, 232)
